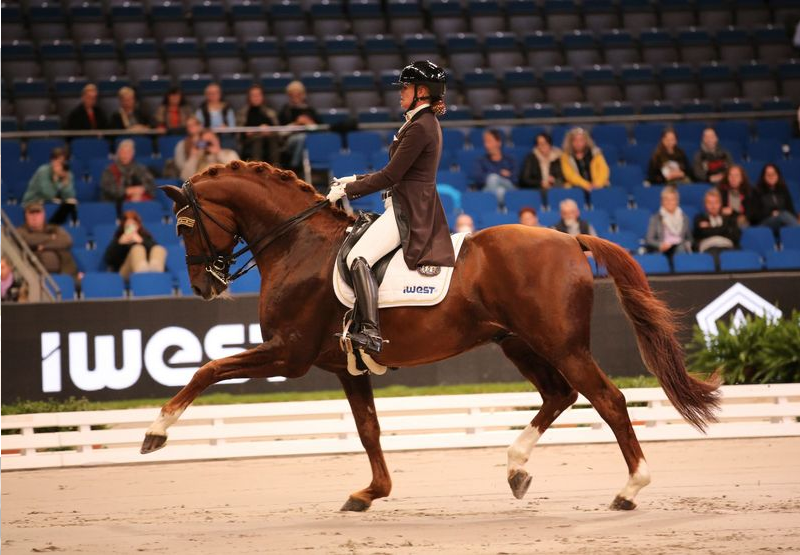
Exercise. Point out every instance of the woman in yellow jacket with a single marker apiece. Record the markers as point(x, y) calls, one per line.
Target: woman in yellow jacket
point(582, 163)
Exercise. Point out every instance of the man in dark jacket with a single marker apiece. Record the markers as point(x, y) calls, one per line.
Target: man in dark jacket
point(715, 232)
point(87, 115)
point(49, 242)
point(571, 221)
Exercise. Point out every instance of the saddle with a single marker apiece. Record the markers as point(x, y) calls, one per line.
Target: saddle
point(361, 225)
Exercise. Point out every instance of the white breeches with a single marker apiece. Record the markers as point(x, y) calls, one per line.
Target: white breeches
point(381, 238)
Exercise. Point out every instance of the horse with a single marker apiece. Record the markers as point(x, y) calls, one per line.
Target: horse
point(529, 290)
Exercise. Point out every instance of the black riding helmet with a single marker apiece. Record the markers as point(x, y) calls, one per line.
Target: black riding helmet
point(424, 73)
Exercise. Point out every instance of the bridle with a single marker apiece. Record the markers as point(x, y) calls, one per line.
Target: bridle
point(218, 264)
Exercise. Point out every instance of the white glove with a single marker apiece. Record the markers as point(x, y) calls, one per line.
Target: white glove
point(337, 191)
point(343, 180)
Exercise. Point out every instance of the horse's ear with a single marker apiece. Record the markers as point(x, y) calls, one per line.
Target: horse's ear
point(176, 194)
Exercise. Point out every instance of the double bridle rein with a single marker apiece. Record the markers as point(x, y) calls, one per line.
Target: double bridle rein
point(217, 264)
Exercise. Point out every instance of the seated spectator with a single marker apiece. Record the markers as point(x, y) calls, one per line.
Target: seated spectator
point(582, 163)
point(737, 195)
point(464, 224)
point(174, 111)
point(496, 172)
point(87, 115)
point(133, 248)
point(542, 167)
point(14, 289)
point(187, 145)
point(714, 231)
point(129, 116)
point(207, 151)
point(49, 242)
point(296, 111)
point(527, 216)
point(53, 182)
point(711, 161)
point(126, 179)
point(216, 114)
point(262, 146)
point(669, 164)
point(571, 221)
point(772, 203)
point(669, 231)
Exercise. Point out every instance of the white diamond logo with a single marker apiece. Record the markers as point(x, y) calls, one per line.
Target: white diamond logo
point(737, 297)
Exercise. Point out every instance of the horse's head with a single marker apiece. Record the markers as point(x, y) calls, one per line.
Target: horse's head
point(210, 235)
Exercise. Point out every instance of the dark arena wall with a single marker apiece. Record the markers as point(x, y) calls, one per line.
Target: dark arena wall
point(105, 350)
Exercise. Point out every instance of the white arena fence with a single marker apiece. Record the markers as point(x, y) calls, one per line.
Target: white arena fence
point(407, 423)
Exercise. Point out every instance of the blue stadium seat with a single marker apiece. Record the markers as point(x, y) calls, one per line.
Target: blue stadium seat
point(633, 220)
point(558, 194)
point(731, 105)
point(184, 286)
point(366, 17)
point(102, 285)
point(464, 51)
point(288, 18)
point(626, 239)
point(364, 141)
point(334, 116)
point(779, 130)
point(42, 123)
point(653, 264)
point(166, 145)
point(176, 259)
point(486, 17)
point(262, 53)
point(516, 199)
point(163, 234)
point(491, 219)
point(733, 130)
point(66, 286)
point(525, 135)
point(499, 111)
point(88, 148)
point(465, 160)
point(379, 159)
point(456, 179)
point(758, 239)
point(718, 80)
point(80, 236)
point(91, 214)
point(629, 176)
point(538, 110)
point(690, 263)
point(39, 149)
point(209, 19)
point(790, 238)
point(358, 88)
point(599, 219)
point(618, 46)
point(577, 110)
point(321, 146)
point(649, 133)
point(610, 134)
point(765, 149)
point(787, 259)
point(548, 219)
point(690, 132)
point(352, 163)
point(89, 260)
point(648, 198)
point(561, 85)
point(542, 49)
point(452, 139)
point(248, 283)
point(375, 114)
point(739, 261)
point(616, 108)
point(151, 284)
point(521, 84)
point(693, 194)
point(610, 199)
point(478, 202)
point(101, 235)
point(481, 88)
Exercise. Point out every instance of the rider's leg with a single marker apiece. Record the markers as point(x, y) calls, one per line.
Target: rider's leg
point(381, 238)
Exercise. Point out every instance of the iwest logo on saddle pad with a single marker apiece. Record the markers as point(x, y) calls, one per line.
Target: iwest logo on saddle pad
point(404, 287)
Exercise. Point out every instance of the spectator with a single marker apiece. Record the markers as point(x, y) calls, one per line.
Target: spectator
point(53, 182)
point(13, 288)
point(582, 163)
point(133, 248)
point(773, 206)
point(571, 221)
point(129, 116)
point(174, 112)
point(669, 231)
point(711, 161)
point(216, 114)
point(669, 164)
point(207, 152)
point(87, 115)
point(714, 231)
point(737, 195)
point(49, 241)
point(464, 224)
point(263, 146)
point(187, 146)
point(496, 172)
point(542, 167)
point(126, 179)
point(296, 112)
point(528, 216)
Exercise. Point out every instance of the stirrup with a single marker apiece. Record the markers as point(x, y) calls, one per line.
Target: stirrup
point(429, 271)
point(369, 343)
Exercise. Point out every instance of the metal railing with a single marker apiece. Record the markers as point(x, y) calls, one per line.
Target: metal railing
point(41, 286)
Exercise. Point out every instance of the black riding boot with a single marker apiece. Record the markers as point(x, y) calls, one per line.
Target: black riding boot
point(368, 336)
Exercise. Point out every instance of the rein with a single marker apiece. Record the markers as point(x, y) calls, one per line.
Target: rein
point(217, 264)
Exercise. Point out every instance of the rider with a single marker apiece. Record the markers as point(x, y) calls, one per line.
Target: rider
point(414, 217)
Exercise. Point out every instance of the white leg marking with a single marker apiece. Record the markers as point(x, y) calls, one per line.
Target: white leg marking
point(164, 421)
point(636, 481)
point(520, 450)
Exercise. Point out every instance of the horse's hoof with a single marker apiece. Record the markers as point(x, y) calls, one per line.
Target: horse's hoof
point(520, 481)
point(152, 443)
point(622, 504)
point(355, 505)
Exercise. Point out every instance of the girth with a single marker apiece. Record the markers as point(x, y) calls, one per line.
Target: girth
point(362, 223)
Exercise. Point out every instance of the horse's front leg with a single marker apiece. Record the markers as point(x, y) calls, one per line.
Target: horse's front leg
point(362, 403)
point(265, 361)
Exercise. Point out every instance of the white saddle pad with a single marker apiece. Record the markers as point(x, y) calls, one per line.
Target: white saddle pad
point(401, 286)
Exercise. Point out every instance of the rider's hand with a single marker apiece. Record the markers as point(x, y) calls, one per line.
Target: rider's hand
point(337, 191)
point(343, 180)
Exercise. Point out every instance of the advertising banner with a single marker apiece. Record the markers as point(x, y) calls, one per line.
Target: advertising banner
point(126, 349)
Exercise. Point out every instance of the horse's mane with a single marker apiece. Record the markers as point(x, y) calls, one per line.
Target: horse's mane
point(255, 170)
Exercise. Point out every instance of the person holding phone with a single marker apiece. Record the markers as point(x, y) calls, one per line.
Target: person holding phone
point(53, 182)
point(133, 248)
point(206, 152)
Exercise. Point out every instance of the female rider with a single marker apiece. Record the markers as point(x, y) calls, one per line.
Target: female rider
point(414, 217)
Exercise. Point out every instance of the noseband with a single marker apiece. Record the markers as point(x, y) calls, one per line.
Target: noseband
point(218, 264)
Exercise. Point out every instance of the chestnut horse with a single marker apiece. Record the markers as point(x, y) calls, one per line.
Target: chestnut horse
point(530, 290)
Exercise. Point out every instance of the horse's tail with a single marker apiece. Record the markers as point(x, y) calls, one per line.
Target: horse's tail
point(655, 327)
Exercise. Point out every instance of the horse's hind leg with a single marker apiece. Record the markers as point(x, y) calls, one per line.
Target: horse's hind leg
point(580, 369)
point(359, 395)
point(557, 395)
